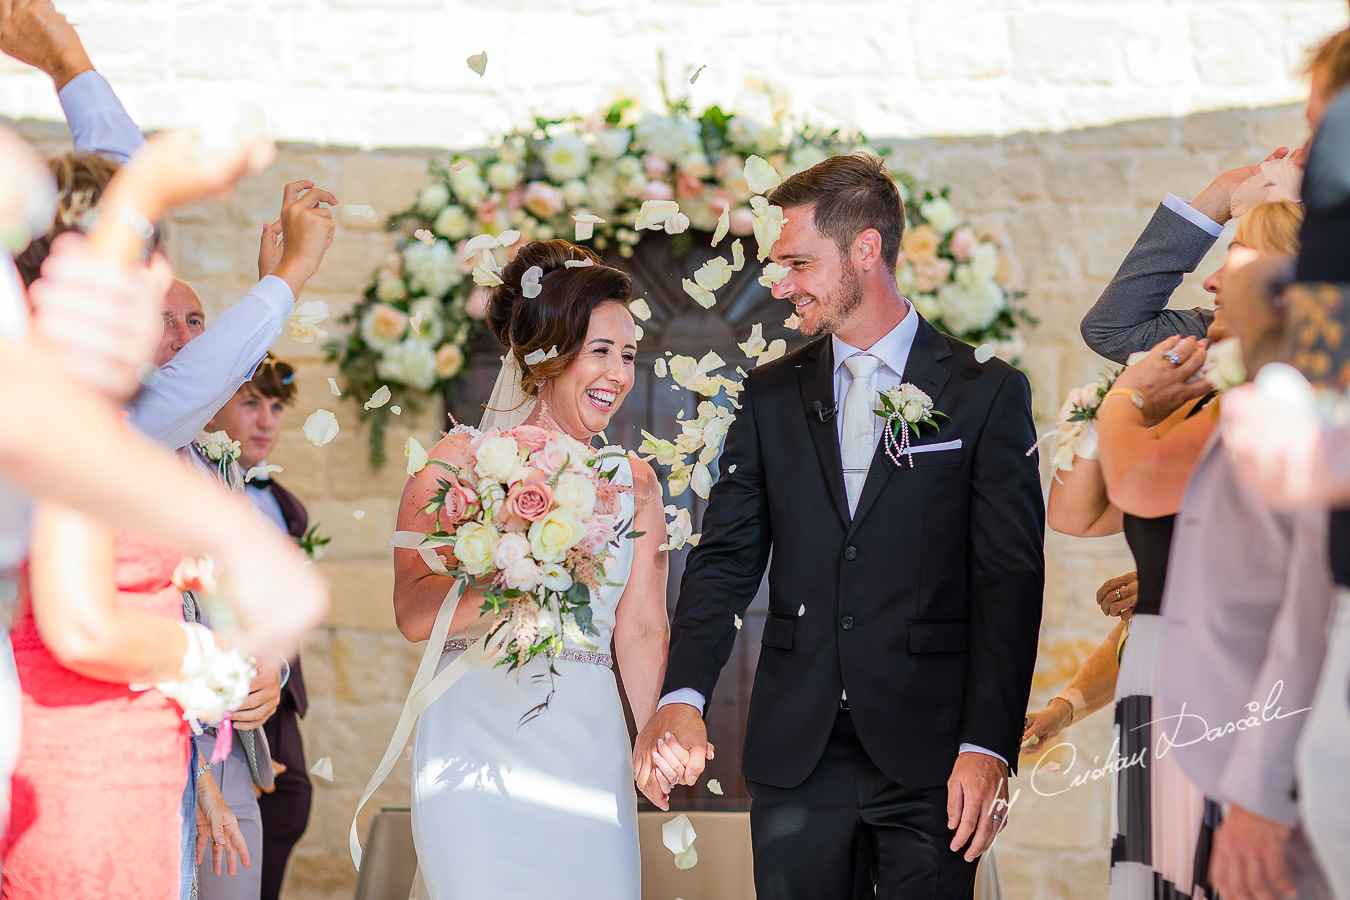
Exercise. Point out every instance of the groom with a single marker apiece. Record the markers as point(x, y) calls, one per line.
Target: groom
point(904, 599)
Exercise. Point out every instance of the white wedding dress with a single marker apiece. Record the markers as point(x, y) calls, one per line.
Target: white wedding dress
point(504, 809)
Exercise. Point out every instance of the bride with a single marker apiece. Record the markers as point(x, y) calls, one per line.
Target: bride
point(495, 788)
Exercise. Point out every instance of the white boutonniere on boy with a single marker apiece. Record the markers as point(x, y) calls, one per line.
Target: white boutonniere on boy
point(219, 449)
point(905, 408)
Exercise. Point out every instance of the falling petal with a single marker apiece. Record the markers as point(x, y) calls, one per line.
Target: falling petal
point(755, 344)
point(358, 514)
point(654, 213)
point(678, 834)
point(480, 242)
point(1050, 766)
point(736, 620)
point(723, 225)
point(638, 332)
point(801, 610)
point(640, 309)
point(478, 62)
point(659, 367)
point(535, 357)
point(702, 296)
point(361, 211)
point(984, 353)
point(333, 387)
point(304, 320)
point(701, 481)
point(761, 176)
point(776, 349)
point(715, 786)
point(323, 769)
point(713, 274)
point(737, 256)
point(693, 78)
point(509, 238)
point(425, 236)
point(793, 321)
point(378, 399)
point(486, 276)
point(415, 321)
point(261, 469)
point(529, 282)
point(676, 224)
point(552, 352)
point(396, 410)
point(578, 263)
point(773, 273)
point(321, 427)
point(586, 223)
point(687, 860)
point(416, 453)
point(459, 165)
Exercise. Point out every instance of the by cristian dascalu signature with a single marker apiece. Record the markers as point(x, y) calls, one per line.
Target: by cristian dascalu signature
point(1181, 730)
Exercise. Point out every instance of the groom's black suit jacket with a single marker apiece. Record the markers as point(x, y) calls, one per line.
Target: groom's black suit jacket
point(925, 606)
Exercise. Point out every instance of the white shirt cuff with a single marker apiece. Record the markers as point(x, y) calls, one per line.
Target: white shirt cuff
point(1184, 209)
point(974, 748)
point(98, 122)
point(684, 695)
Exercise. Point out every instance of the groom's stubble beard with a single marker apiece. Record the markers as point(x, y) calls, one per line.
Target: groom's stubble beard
point(836, 307)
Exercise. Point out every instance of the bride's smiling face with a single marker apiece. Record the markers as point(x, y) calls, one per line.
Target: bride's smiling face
point(583, 398)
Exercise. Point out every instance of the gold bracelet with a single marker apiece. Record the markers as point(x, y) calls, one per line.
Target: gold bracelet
point(1067, 702)
point(1135, 397)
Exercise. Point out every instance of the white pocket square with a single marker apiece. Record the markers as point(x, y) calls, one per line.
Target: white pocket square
point(931, 448)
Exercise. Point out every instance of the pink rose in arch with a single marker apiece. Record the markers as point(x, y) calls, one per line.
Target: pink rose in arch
point(687, 186)
point(476, 305)
point(657, 190)
point(742, 222)
point(964, 243)
point(654, 166)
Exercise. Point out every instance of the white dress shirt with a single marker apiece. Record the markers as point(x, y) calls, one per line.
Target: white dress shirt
point(179, 399)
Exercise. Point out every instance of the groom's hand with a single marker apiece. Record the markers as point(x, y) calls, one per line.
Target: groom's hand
point(685, 727)
point(976, 792)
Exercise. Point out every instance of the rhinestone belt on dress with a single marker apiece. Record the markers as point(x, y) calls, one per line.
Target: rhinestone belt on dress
point(581, 656)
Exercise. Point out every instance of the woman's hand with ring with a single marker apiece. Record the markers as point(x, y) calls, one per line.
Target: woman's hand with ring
point(1118, 595)
point(1163, 385)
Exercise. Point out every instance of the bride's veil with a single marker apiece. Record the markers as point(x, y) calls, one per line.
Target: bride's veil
point(509, 405)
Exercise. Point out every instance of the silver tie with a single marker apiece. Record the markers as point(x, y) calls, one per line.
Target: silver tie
point(857, 443)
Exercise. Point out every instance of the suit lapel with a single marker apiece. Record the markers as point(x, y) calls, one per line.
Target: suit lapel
point(816, 374)
point(925, 370)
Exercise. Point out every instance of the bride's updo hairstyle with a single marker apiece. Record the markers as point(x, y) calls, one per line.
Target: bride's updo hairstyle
point(561, 315)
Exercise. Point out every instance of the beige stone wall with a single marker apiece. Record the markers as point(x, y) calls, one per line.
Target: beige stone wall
point(1069, 205)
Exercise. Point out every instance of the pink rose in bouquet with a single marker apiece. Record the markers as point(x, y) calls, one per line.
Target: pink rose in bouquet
point(530, 501)
point(530, 437)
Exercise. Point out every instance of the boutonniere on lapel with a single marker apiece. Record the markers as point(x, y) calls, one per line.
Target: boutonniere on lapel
point(219, 449)
point(905, 408)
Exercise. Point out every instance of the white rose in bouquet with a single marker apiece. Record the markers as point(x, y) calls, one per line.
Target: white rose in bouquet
point(523, 575)
point(1223, 366)
point(474, 543)
point(498, 457)
point(555, 577)
point(576, 494)
point(552, 536)
point(511, 549)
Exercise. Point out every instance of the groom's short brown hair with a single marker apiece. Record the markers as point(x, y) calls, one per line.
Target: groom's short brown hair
point(849, 194)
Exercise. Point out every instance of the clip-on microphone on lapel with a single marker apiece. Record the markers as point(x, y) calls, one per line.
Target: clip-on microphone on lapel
point(824, 414)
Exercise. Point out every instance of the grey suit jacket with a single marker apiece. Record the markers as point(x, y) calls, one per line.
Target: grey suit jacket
point(1132, 313)
point(1244, 618)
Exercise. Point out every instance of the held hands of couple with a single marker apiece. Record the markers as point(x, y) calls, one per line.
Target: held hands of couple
point(671, 749)
point(977, 802)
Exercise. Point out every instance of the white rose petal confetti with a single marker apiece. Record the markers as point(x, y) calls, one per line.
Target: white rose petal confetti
point(578, 263)
point(263, 469)
point(478, 63)
point(508, 238)
point(984, 353)
point(773, 273)
point(653, 214)
point(535, 357)
point(761, 176)
point(737, 256)
point(737, 621)
point(358, 514)
point(697, 72)
point(480, 242)
point(323, 769)
point(755, 344)
point(793, 321)
point(529, 282)
point(659, 367)
point(702, 296)
point(486, 276)
point(640, 309)
point(416, 453)
point(715, 786)
point(713, 274)
point(768, 225)
point(801, 610)
point(586, 223)
point(377, 399)
point(676, 224)
point(321, 427)
point(361, 211)
point(396, 410)
point(333, 387)
point(678, 835)
point(425, 236)
point(638, 333)
point(304, 322)
point(776, 349)
point(723, 225)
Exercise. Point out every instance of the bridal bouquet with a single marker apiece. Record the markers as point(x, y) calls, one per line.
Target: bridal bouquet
point(533, 522)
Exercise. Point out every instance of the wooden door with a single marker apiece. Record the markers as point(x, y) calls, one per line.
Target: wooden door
point(680, 326)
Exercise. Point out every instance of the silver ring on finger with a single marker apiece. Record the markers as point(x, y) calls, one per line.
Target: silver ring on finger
point(1120, 598)
point(996, 817)
point(1171, 357)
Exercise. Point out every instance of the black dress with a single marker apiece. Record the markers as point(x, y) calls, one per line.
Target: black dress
point(1164, 825)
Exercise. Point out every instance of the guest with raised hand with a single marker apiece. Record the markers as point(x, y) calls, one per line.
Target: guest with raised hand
point(253, 417)
point(79, 641)
point(176, 403)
